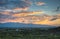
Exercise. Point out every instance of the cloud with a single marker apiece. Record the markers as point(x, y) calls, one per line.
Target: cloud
point(36, 12)
point(19, 14)
point(27, 1)
point(26, 17)
point(14, 5)
point(58, 8)
point(21, 9)
point(50, 20)
point(22, 14)
point(47, 22)
point(17, 17)
point(40, 3)
point(5, 13)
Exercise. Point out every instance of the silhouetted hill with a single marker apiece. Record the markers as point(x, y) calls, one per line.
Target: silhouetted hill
point(21, 25)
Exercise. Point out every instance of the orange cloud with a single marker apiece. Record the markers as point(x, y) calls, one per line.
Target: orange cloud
point(48, 22)
point(15, 10)
point(21, 14)
point(19, 9)
point(36, 13)
point(40, 3)
point(5, 13)
point(19, 20)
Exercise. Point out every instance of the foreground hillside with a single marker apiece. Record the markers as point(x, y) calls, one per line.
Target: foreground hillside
point(29, 33)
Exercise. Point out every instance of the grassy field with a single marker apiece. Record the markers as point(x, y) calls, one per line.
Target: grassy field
point(28, 34)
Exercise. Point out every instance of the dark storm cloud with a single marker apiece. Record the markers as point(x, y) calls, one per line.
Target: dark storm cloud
point(58, 8)
point(11, 4)
point(53, 19)
point(4, 16)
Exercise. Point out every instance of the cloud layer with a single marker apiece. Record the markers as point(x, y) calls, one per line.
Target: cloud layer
point(14, 5)
point(30, 17)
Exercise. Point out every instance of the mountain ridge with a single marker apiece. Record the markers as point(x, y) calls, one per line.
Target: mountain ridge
point(22, 25)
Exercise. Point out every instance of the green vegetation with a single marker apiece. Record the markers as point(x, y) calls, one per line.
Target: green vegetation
point(34, 33)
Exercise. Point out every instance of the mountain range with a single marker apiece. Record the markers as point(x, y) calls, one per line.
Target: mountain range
point(22, 25)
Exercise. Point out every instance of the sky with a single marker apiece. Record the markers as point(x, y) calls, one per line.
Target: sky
point(30, 11)
point(48, 6)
